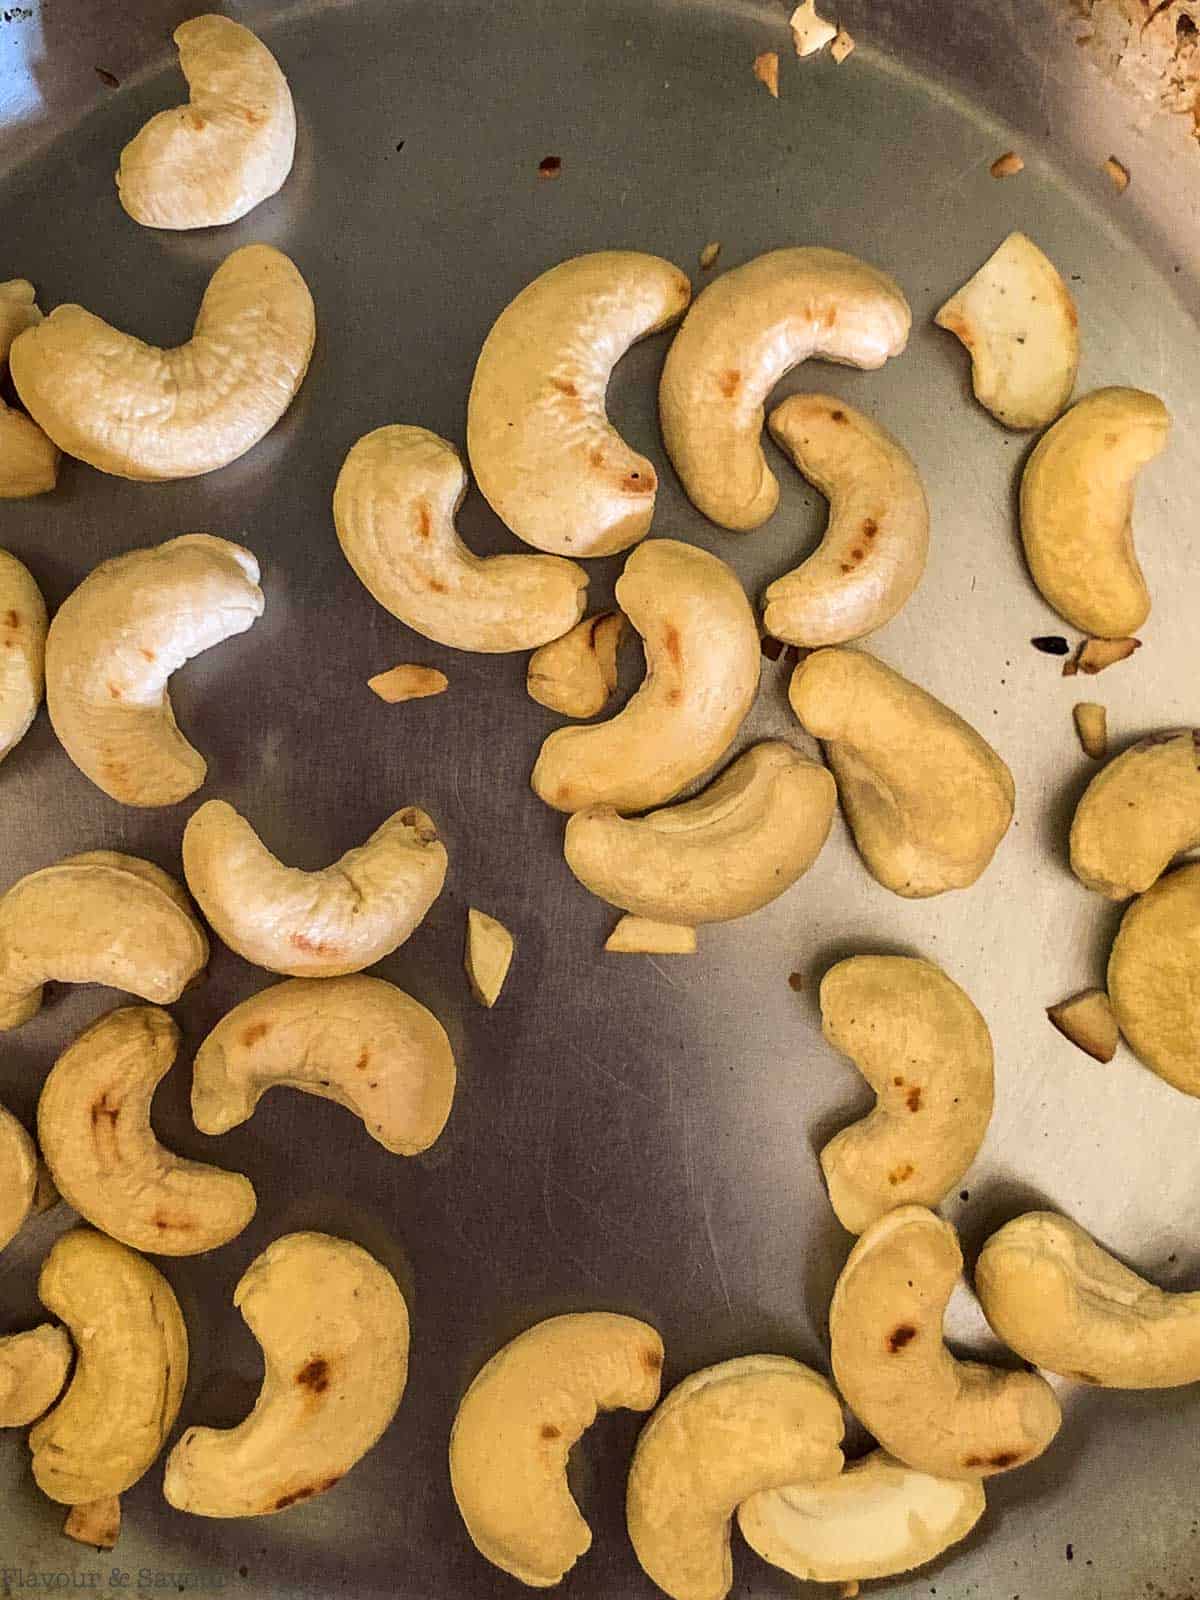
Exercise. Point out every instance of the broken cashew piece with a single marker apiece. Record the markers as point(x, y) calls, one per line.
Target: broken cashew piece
point(139, 412)
point(720, 1436)
point(22, 648)
point(577, 674)
point(488, 956)
point(111, 650)
point(810, 32)
point(231, 147)
point(33, 1369)
point(545, 456)
point(1087, 1020)
point(97, 1523)
point(28, 460)
point(333, 1327)
point(1091, 726)
point(743, 334)
point(955, 1419)
point(1137, 814)
point(408, 682)
point(1154, 978)
point(637, 936)
point(313, 924)
point(18, 1176)
point(874, 549)
point(522, 1415)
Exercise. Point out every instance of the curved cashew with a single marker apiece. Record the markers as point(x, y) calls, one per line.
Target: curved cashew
point(702, 669)
point(22, 649)
point(525, 1410)
point(927, 798)
point(545, 456)
point(720, 1436)
point(313, 924)
point(358, 1041)
point(394, 507)
point(33, 1369)
point(333, 1327)
point(873, 553)
point(925, 1050)
point(100, 917)
point(955, 1419)
point(1077, 509)
point(28, 460)
point(136, 411)
point(1137, 814)
point(130, 1369)
point(231, 147)
point(735, 848)
point(1154, 978)
point(743, 334)
point(577, 674)
point(18, 1176)
point(95, 1133)
point(113, 645)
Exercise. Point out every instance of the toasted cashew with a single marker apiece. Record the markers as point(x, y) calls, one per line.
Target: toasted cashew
point(1087, 1020)
point(394, 506)
point(96, 1522)
point(1137, 814)
point(743, 334)
point(28, 460)
point(313, 924)
point(1154, 978)
point(33, 1369)
point(408, 682)
point(213, 160)
point(22, 650)
point(545, 456)
point(18, 1176)
point(139, 412)
point(577, 674)
point(637, 936)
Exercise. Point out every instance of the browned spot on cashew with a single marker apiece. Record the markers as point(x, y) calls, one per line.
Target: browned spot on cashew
point(313, 947)
point(12, 619)
point(564, 386)
point(101, 1108)
point(364, 1058)
point(902, 1173)
point(113, 691)
point(286, 1500)
point(913, 1099)
point(728, 383)
point(672, 645)
point(549, 1431)
point(424, 519)
point(901, 1336)
point(255, 1032)
point(314, 1375)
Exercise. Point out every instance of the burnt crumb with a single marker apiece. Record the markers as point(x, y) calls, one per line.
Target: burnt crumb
point(107, 78)
point(243, 1572)
point(795, 982)
point(1051, 644)
point(1070, 1552)
point(964, 1195)
point(900, 1336)
point(400, 147)
point(549, 167)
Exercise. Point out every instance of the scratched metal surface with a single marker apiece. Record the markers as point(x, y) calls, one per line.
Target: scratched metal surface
point(628, 1133)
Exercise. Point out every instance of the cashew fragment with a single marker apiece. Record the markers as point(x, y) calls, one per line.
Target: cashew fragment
point(577, 674)
point(743, 334)
point(333, 1327)
point(927, 798)
point(702, 670)
point(1087, 1020)
point(1077, 509)
point(873, 553)
point(113, 645)
point(97, 1523)
point(1091, 726)
point(408, 682)
point(955, 1419)
point(636, 936)
point(1137, 814)
point(720, 1436)
point(739, 845)
point(28, 460)
point(1154, 978)
point(545, 456)
point(394, 506)
point(810, 32)
point(313, 924)
point(18, 1177)
point(33, 1369)
point(231, 147)
point(139, 412)
point(488, 956)
point(130, 1369)
point(22, 649)
point(524, 1412)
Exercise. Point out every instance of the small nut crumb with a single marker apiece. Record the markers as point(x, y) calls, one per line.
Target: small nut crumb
point(634, 936)
point(842, 45)
point(810, 32)
point(766, 70)
point(1087, 1020)
point(1118, 174)
point(408, 683)
point(708, 256)
point(1007, 165)
point(549, 166)
point(795, 982)
point(1096, 654)
point(1051, 644)
point(1091, 724)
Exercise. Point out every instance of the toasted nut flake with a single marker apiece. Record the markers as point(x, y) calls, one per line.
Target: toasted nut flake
point(1087, 1021)
point(408, 683)
point(766, 70)
point(841, 47)
point(708, 256)
point(549, 166)
point(96, 1522)
point(809, 31)
point(1096, 654)
point(1118, 174)
point(634, 936)
point(488, 956)
point(1007, 165)
point(1091, 724)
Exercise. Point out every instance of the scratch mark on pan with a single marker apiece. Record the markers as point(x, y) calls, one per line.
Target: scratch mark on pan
point(712, 1245)
point(562, 1243)
point(665, 976)
point(613, 1077)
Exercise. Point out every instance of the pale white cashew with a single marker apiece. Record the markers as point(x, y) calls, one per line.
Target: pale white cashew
point(733, 849)
point(702, 670)
point(33, 1369)
point(394, 506)
point(1137, 814)
point(22, 649)
point(130, 1369)
point(523, 1413)
point(358, 1041)
point(1077, 509)
point(636, 936)
point(231, 147)
point(18, 1176)
point(333, 1327)
point(1154, 978)
point(873, 553)
point(927, 798)
point(925, 1050)
point(136, 411)
point(545, 456)
point(100, 917)
point(743, 334)
point(28, 460)
point(955, 1419)
point(113, 645)
point(94, 1130)
point(488, 956)
point(313, 924)
point(577, 674)
point(721, 1435)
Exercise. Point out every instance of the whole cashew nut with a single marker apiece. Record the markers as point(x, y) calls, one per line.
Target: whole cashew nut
point(28, 460)
point(18, 1176)
point(1154, 978)
point(22, 649)
point(33, 1369)
point(1137, 814)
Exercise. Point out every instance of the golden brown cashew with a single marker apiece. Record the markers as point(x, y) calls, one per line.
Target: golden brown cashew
point(28, 460)
point(1137, 814)
point(33, 1369)
point(18, 1176)
point(139, 412)
point(743, 334)
point(1154, 978)
point(22, 650)
point(113, 645)
point(545, 456)
point(213, 160)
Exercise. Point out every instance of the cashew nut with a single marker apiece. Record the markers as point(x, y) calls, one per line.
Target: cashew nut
point(739, 845)
point(577, 674)
point(545, 456)
point(22, 649)
point(113, 645)
point(873, 553)
point(231, 147)
point(637, 936)
point(488, 956)
point(522, 1415)
point(927, 798)
point(394, 506)
point(926, 1051)
point(1087, 1020)
point(136, 411)
point(313, 924)
point(18, 1176)
point(1077, 509)
point(1154, 978)
point(33, 1369)
point(96, 1522)
point(358, 1041)
point(1137, 814)
point(702, 669)
point(130, 1368)
point(28, 460)
point(743, 334)
point(720, 1436)
point(955, 1419)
